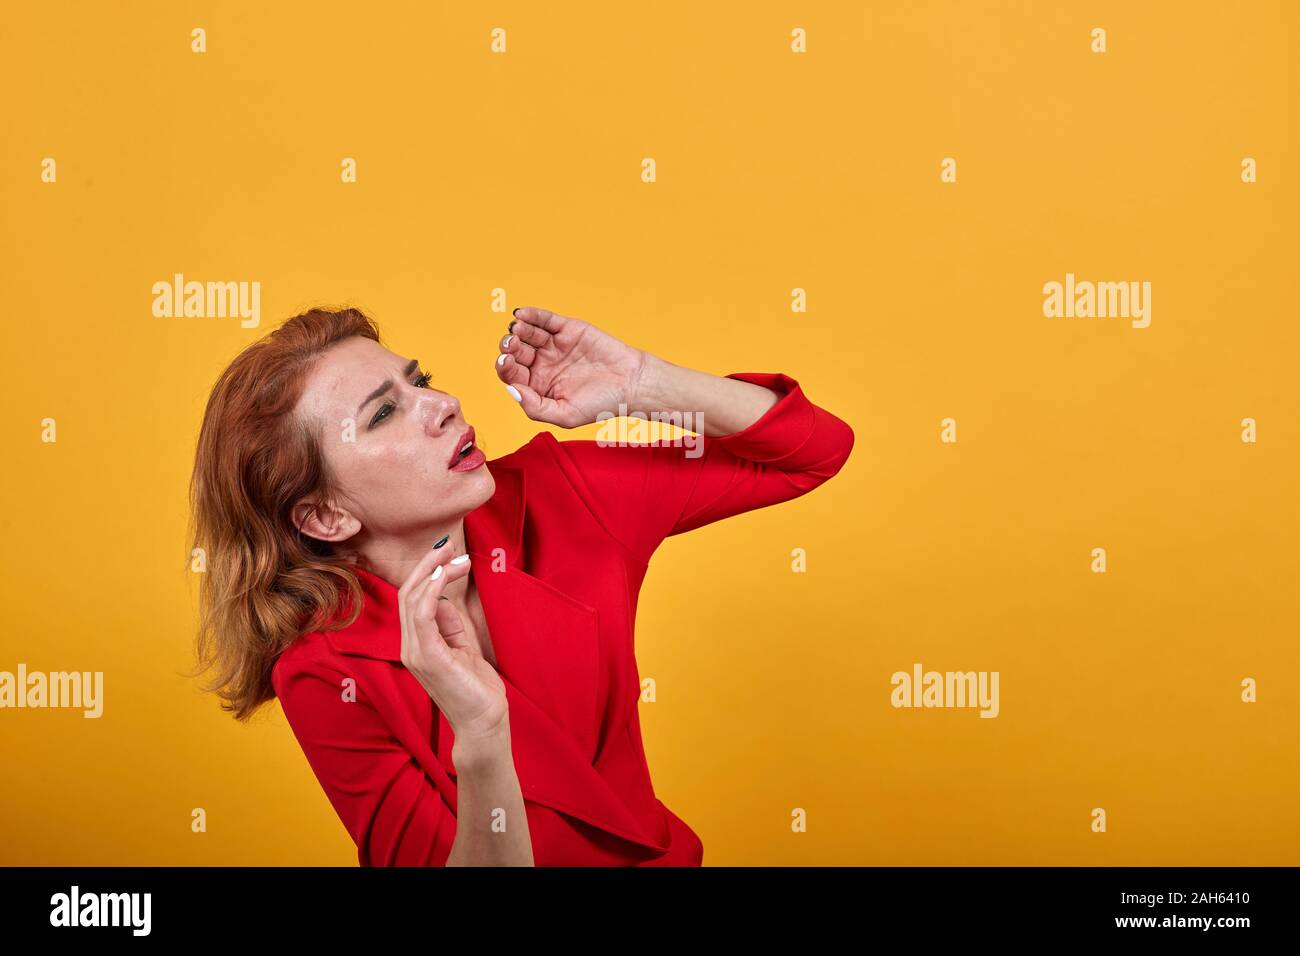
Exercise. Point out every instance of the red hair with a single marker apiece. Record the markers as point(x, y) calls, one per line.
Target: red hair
point(265, 581)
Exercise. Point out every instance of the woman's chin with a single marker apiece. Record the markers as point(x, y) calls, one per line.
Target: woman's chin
point(481, 481)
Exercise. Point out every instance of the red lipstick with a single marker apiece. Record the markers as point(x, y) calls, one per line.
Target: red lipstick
point(469, 460)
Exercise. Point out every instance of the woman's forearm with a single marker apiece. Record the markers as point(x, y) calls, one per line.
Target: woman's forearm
point(725, 405)
point(491, 825)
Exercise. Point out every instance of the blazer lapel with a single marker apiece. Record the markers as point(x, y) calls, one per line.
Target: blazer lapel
point(548, 650)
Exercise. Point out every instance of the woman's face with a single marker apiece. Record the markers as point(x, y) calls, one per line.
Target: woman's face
point(388, 439)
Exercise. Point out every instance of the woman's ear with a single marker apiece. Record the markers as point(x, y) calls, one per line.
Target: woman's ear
point(324, 522)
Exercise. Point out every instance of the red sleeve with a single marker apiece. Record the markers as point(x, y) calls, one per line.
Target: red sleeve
point(386, 801)
point(644, 493)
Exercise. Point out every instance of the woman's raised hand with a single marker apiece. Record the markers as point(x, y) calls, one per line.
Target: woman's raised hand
point(448, 665)
point(566, 371)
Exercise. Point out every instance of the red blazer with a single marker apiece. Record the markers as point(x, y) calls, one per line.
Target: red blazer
point(559, 553)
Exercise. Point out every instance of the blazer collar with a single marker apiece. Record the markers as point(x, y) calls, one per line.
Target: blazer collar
point(549, 655)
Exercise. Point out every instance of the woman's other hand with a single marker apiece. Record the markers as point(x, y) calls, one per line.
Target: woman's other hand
point(566, 371)
point(448, 665)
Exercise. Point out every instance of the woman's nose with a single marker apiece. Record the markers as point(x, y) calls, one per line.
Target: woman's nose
point(439, 412)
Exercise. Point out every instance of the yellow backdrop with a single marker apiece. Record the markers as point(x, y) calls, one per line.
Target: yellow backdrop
point(920, 171)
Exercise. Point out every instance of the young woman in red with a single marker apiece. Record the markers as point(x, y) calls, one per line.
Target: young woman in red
point(451, 638)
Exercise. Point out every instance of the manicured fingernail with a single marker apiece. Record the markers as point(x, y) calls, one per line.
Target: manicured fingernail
point(514, 393)
point(437, 573)
point(505, 342)
point(459, 559)
point(515, 312)
point(502, 359)
point(441, 542)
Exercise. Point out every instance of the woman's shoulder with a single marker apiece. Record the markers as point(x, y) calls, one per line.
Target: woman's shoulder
point(539, 457)
point(539, 446)
point(310, 652)
point(550, 468)
point(545, 452)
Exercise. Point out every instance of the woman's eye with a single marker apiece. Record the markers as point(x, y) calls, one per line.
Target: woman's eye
point(421, 381)
point(386, 409)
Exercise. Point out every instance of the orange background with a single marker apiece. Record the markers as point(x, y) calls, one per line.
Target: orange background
point(776, 171)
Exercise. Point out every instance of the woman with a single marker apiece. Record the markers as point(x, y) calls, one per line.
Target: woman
point(451, 638)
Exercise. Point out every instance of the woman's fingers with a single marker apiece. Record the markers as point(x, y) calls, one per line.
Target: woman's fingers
point(519, 347)
point(424, 648)
point(424, 567)
point(514, 351)
point(452, 627)
point(542, 320)
point(428, 603)
point(446, 569)
point(414, 585)
point(513, 373)
point(535, 326)
point(543, 409)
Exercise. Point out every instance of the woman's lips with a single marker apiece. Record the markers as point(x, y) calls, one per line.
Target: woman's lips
point(471, 461)
point(455, 458)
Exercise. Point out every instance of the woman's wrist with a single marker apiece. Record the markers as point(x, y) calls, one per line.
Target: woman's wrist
point(656, 382)
point(482, 752)
point(722, 405)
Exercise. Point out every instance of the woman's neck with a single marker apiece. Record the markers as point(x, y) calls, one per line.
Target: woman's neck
point(394, 559)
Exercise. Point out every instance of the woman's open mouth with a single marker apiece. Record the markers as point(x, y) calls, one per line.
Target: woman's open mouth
point(468, 456)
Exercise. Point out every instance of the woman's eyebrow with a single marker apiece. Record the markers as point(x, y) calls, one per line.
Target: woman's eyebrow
point(411, 367)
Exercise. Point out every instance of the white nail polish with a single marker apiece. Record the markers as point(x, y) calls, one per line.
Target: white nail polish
point(514, 393)
point(505, 343)
point(437, 573)
point(459, 559)
point(502, 359)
